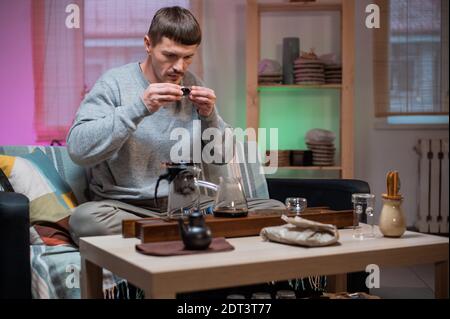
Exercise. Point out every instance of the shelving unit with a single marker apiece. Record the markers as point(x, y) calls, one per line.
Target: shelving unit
point(311, 168)
point(297, 87)
point(346, 89)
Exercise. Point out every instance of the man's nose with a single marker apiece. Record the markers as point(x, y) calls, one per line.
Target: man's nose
point(179, 66)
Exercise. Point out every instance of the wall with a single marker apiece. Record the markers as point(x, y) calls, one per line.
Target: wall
point(16, 75)
point(379, 150)
point(224, 57)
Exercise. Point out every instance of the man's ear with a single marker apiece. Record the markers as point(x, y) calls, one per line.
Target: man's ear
point(148, 44)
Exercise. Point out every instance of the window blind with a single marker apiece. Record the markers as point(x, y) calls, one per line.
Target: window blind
point(411, 58)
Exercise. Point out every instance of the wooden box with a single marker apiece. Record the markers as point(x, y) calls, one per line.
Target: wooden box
point(155, 229)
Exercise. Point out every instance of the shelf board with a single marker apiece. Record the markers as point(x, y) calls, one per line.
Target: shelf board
point(284, 87)
point(298, 6)
point(310, 168)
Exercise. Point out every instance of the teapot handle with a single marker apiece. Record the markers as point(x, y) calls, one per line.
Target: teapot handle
point(155, 198)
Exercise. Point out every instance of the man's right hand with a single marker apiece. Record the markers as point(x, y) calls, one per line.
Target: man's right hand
point(158, 95)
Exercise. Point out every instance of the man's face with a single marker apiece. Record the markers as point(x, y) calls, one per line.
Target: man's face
point(170, 59)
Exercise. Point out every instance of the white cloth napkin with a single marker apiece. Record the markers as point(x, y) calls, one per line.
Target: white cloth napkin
point(302, 232)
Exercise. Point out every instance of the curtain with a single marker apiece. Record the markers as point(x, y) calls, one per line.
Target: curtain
point(67, 62)
point(411, 58)
point(58, 77)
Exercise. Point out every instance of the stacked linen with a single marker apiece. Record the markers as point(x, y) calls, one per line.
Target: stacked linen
point(321, 143)
point(309, 71)
point(269, 72)
point(283, 157)
point(333, 73)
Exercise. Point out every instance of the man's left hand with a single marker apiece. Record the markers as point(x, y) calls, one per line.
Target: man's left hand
point(204, 99)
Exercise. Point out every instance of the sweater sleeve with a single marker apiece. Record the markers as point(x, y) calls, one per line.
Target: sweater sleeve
point(102, 126)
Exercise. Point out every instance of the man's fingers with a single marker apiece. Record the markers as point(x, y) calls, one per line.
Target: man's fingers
point(168, 98)
point(167, 91)
point(201, 100)
point(200, 88)
point(164, 89)
point(203, 93)
point(166, 85)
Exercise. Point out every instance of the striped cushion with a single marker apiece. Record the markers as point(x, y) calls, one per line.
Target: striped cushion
point(251, 175)
point(73, 174)
point(35, 176)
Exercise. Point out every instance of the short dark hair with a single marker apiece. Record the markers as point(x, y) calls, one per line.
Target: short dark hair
point(177, 24)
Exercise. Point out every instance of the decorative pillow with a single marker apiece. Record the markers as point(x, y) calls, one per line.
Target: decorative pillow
point(34, 175)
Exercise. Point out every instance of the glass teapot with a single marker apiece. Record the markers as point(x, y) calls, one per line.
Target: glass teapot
point(184, 192)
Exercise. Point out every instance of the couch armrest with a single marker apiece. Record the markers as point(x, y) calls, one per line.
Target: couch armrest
point(333, 193)
point(15, 271)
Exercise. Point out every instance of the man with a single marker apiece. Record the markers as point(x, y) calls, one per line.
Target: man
point(122, 128)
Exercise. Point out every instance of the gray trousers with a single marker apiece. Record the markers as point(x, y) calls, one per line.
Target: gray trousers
point(101, 218)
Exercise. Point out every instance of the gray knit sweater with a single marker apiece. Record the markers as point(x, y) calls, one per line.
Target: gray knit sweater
point(121, 142)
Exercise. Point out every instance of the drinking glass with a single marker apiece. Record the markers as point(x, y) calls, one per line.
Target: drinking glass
point(363, 207)
point(296, 204)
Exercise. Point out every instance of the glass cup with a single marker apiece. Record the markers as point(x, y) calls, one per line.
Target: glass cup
point(285, 294)
point(235, 296)
point(363, 208)
point(261, 295)
point(296, 205)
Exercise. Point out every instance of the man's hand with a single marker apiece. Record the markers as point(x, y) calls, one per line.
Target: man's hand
point(160, 94)
point(204, 99)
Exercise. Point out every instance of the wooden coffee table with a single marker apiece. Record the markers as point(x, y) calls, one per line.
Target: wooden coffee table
point(254, 261)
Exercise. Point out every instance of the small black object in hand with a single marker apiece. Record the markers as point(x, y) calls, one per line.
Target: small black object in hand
point(186, 91)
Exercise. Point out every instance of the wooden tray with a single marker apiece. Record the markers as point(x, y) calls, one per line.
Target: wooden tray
point(155, 229)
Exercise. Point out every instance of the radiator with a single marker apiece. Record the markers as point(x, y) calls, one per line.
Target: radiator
point(432, 204)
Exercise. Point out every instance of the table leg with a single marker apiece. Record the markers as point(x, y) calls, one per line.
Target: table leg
point(337, 283)
point(441, 280)
point(91, 280)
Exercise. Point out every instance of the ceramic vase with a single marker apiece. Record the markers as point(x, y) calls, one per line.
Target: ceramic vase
point(392, 218)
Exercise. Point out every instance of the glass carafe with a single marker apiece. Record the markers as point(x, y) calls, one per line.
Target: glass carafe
point(230, 198)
